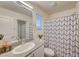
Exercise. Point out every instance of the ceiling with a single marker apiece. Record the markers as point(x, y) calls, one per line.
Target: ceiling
point(12, 5)
point(51, 7)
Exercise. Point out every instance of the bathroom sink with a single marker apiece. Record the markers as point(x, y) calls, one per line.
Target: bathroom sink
point(23, 48)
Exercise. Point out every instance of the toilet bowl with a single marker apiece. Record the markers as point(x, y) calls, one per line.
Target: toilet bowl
point(48, 52)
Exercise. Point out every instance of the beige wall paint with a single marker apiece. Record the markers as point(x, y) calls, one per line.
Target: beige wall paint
point(63, 13)
point(77, 7)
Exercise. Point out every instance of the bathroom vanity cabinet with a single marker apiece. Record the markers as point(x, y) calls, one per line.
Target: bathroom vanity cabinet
point(39, 52)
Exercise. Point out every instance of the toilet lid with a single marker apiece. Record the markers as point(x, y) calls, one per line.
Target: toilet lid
point(48, 51)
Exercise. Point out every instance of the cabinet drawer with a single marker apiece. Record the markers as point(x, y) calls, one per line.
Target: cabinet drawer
point(39, 52)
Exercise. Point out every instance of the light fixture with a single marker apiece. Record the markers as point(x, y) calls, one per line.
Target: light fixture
point(25, 4)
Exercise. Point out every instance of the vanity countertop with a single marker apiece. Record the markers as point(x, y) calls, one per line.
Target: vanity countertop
point(10, 54)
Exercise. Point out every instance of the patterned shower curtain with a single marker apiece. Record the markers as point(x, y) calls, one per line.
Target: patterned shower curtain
point(61, 35)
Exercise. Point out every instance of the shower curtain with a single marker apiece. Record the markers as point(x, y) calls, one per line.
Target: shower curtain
point(61, 35)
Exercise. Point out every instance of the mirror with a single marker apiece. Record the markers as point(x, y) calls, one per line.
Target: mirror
point(15, 21)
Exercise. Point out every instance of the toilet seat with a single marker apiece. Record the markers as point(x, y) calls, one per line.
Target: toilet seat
point(49, 52)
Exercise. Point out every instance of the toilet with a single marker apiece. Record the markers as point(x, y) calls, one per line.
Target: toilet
point(49, 52)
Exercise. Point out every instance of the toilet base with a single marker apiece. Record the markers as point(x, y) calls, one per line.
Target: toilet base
point(49, 52)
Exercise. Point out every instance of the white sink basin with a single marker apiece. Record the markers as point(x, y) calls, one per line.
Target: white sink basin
point(23, 48)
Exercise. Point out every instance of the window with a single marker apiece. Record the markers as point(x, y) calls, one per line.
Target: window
point(38, 22)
